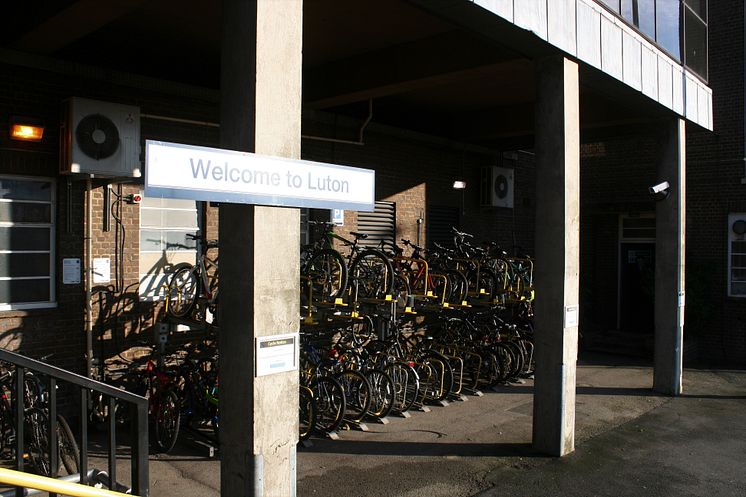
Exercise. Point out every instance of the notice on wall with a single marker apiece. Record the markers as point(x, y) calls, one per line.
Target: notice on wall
point(70, 271)
point(338, 217)
point(101, 270)
point(571, 316)
point(276, 354)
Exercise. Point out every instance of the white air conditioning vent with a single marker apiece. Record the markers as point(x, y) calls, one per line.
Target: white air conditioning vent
point(100, 139)
point(496, 189)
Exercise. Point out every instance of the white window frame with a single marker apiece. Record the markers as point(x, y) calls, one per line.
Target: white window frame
point(52, 302)
point(733, 237)
point(159, 296)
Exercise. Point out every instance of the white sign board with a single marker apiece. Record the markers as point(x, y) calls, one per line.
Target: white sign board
point(338, 217)
point(571, 316)
point(101, 270)
point(276, 354)
point(200, 173)
point(70, 271)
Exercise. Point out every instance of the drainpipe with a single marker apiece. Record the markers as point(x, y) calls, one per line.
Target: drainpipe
point(88, 276)
point(743, 59)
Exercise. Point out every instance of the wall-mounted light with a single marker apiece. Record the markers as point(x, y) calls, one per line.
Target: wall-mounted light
point(30, 130)
point(459, 185)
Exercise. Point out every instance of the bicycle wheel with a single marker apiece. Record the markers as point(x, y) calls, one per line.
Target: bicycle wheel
point(37, 446)
point(330, 403)
point(459, 286)
point(443, 384)
point(406, 385)
point(325, 277)
point(381, 393)
point(183, 291)
point(307, 413)
point(167, 421)
point(69, 451)
point(400, 291)
point(372, 276)
point(357, 394)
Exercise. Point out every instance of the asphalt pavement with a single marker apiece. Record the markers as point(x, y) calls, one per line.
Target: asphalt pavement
point(629, 442)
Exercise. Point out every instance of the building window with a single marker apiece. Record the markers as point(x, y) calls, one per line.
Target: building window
point(164, 226)
point(737, 255)
point(26, 242)
point(677, 26)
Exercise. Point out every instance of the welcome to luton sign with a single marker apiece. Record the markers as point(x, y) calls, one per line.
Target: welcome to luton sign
point(174, 170)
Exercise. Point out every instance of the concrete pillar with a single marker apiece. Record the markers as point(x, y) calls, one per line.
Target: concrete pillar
point(670, 224)
point(557, 247)
point(259, 268)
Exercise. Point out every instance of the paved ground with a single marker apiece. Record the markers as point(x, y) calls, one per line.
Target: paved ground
point(630, 442)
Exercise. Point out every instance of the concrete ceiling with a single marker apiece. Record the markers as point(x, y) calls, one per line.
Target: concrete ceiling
point(421, 72)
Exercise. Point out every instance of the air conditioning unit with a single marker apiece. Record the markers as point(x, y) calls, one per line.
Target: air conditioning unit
point(100, 139)
point(496, 188)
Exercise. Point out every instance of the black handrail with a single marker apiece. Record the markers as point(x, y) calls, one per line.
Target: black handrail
point(138, 406)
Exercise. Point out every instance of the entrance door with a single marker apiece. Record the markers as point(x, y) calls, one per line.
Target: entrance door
point(636, 287)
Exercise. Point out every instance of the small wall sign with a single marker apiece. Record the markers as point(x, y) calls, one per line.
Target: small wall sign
point(276, 354)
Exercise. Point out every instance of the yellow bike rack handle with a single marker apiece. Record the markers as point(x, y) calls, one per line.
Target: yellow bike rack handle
point(53, 485)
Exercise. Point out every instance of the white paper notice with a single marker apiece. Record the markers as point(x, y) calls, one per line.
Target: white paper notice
point(102, 270)
point(70, 271)
point(276, 354)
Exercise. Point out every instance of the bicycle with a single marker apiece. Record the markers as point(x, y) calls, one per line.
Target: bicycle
point(191, 284)
point(36, 428)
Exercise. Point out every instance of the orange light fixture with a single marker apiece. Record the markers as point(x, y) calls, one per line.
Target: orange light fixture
point(26, 131)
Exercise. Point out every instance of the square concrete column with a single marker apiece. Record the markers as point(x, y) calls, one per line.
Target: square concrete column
point(259, 249)
point(557, 246)
point(670, 223)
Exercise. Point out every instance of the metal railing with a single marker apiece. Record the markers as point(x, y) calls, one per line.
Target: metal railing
point(139, 420)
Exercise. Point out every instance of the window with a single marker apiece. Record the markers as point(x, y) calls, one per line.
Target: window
point(164, 226)
point(26, 242)
point(677, 26)
point(737, 255)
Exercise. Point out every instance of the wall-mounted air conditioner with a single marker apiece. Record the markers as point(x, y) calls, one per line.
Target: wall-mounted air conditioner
point(496, 187)
point(100, 139)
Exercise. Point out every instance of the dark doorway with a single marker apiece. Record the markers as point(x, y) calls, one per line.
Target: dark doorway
point(637, 287)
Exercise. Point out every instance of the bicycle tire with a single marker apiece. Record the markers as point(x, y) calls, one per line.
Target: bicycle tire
point(167, 421)
point(371, 274)
point(459, 286)
point(446, 371)
point(37, 446)
point(69, 450)
point(183, 291)
point(325, 276)
point(400, 291)
point(307, 413)
point(330, 403)
point(357, 394)
point(381, 393)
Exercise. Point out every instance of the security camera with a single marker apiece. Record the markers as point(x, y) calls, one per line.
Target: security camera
point(659, 188)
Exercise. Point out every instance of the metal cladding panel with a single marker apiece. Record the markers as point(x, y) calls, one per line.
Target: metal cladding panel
point(690, 97)
point(562, 28)
point(703, 107)
point(632, 60)
point(665, 82)
point(678, 89)
point(503, 8)
point(611, 47)
point(532, 15)
point(649, 72)
point(379, 225)
point(589, 34)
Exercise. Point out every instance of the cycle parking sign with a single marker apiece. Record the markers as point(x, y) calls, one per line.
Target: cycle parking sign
point(276, 354)
point(190, 172)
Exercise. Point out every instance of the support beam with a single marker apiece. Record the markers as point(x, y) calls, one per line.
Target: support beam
point(259, 286)
point(404, 68)
point(557, 254)
point(76, 21)
point(670, 225)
